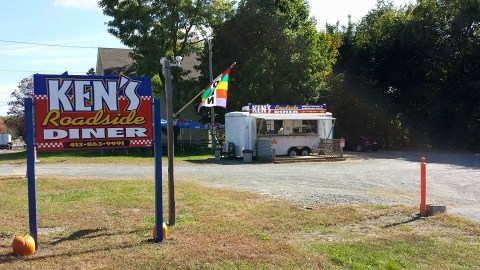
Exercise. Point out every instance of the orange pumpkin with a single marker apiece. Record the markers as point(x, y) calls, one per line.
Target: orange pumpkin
point(17, 244)
point(164, 230)
point(23, 245)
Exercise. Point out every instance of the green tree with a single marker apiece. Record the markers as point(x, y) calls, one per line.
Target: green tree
point(155, 29)
point(16, 107)
point(452, 81)
point(280, 56)
point(369, 68)
point(412, 73)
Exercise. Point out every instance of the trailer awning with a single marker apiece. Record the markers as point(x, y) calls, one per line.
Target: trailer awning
point(293, 116)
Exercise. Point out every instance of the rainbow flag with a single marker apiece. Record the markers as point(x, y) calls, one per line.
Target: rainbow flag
point(215, 94)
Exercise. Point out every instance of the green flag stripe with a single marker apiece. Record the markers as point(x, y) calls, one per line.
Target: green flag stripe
point(206, 93)
point(224, 78)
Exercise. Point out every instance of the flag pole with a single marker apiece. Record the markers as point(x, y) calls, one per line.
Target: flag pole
point(190, 102)
point(195, 97)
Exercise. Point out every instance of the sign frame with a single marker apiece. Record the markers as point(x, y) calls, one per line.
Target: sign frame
point(86, 112)
point(155, 139)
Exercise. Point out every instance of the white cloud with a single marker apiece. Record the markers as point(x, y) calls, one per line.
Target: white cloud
point(82, 4)
point(327, 11)
point(102, 39)
point(67, 60)
point(5, 91)
point(31, 53)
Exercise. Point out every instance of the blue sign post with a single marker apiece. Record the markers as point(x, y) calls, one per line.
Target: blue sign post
point(157, 147)
point(32, 200)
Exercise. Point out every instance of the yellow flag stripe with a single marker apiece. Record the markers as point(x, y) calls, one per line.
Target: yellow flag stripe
point(222, 86)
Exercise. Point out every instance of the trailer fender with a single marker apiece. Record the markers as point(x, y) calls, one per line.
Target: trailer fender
point(293, 152)
point(305, 151)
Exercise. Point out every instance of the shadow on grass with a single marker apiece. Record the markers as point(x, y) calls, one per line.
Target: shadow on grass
point(13, 156)
point(401, 222)
point(81, 234)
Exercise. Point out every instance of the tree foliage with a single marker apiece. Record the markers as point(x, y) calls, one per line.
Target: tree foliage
point(156, 29)
point(409, 75)
point(281, 58)
point(413, 74)
point(16, 107)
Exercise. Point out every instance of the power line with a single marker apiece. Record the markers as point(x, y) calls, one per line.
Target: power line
point(45, 44)
point(52, 45)
point(38, 71)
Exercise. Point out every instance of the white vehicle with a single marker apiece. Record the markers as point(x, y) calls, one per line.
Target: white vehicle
point(5, 141)
point(290, 129)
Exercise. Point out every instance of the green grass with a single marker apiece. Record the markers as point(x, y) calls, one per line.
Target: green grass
point(401, 252)
point(107, 224)
point(137, 155)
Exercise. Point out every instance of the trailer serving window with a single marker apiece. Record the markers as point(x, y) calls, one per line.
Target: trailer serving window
point(268, 126)
point(309, 126)
point(293, 124)
point(286, 127)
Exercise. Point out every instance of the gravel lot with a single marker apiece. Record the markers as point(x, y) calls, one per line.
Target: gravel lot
point(453, 179)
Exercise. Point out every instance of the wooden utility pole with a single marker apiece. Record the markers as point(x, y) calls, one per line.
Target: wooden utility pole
point(170, 140)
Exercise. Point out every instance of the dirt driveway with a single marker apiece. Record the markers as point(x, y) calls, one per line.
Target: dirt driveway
point(453, 179)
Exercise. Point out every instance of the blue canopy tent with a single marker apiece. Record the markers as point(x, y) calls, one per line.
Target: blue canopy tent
point(188, 124)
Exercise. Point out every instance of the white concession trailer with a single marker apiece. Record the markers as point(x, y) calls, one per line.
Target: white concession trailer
point(290, 129)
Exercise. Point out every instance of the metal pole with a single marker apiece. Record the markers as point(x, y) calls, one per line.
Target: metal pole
point(32, 197)
point(157, 147)
point(212, 109)
point(169, 105)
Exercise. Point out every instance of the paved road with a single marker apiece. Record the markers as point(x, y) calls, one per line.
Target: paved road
point(453, 179)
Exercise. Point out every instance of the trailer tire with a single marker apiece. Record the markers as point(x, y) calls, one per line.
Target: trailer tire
point(293, 152)
point(306, 151)
point(359, 148)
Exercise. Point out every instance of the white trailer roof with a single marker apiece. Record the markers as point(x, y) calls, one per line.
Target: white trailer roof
point(293, 116)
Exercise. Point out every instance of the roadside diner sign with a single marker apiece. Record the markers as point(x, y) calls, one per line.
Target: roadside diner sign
point(286, 108)
point(84, 112)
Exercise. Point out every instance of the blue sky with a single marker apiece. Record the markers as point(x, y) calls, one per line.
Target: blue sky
point(81, 23)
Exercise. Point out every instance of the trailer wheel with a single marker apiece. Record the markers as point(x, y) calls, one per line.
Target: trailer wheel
point(293, 152)
point(305, 151)
point(359, 148)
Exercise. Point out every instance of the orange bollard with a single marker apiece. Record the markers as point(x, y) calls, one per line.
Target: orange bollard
point(423, 188)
